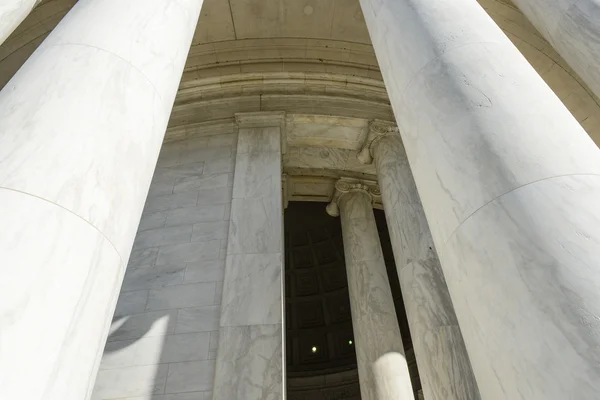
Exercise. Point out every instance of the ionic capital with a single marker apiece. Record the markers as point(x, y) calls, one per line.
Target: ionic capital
point(348, 185)
point(377, 130)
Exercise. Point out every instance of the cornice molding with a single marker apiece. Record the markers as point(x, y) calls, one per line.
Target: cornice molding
point(260, 119)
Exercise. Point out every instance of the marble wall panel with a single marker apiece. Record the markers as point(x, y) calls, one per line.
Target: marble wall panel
point(249, 357)
point(164, 334)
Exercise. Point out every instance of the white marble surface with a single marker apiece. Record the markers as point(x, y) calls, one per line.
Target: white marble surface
point(12, 13)
point(249, 363)
point(163, 338)
point(45, 290)
point(382, 368)
point(82, 123)
point(480, 126)
point(253, 294)
point(249, 357)
point(573, 29)
point(444, 366)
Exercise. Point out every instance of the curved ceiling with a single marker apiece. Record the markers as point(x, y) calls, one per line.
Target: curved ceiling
point(299, 56)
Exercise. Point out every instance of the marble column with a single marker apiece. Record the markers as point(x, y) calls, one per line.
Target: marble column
point(81, 125)
point(444, 365)
point(510, 185)
point(382, 367)
point(12, 13)
point(250, 358)
point(573, 29)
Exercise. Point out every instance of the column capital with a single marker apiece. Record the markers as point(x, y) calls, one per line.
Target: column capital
point(377, 129)
point(348, 185)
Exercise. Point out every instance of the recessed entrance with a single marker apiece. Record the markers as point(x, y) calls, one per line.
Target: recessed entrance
point(320, 353)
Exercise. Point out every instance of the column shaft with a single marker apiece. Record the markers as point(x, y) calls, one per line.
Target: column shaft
point(382, 368)
point(12, 13)
point(444, 365)
point(573, 29)
point(510, 184)
point(250, 362)
point(81, 125)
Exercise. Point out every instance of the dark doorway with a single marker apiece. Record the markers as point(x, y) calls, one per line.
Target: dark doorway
point(320, 356)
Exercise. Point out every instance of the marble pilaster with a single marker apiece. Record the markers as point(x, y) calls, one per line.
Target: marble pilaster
point(382, 368)
point(573, 29)
point(250, 361)
point(510, 183)
point(444, 365)
point(12, 13)
point(81, 126)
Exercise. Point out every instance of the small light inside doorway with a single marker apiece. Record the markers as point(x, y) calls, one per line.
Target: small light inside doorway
point(350, 342)
point(314, 349)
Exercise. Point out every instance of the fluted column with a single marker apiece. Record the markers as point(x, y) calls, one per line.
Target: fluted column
point(573, 29)
point(12, 13)
point(444, 365)
point(81, 125)
point(382, 368)
point(510, 185)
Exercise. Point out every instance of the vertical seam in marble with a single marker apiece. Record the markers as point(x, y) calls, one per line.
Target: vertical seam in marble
point(508, 192)
point(118, 57)
point(72, 213)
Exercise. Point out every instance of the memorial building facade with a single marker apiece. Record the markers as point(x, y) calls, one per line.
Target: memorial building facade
point(299, 199)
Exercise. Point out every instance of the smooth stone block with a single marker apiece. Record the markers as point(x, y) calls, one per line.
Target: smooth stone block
point(195, 155)
point(188, 252)
point(223, 140)
point(255, 226)
point(198, 319)
point(257, 175)
point(219, 165)
point(264, 139)
point(209, 197)
point(192, 215)
point(190, 376)
point(172, 174)
point(181, 296)
point(163, 236)
point(146, 324)
point(130, 382)
point(131, 303)
point(205, 271)
point(200, 182)
point(177, 396)
point(156, 350)
point(170, 201)
point(214, 345)
point(142, 257)
point(252, 290)
point(251, 358)
point(161, 188)
point(153, 277)
point(207, 231)
point(152, 221)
